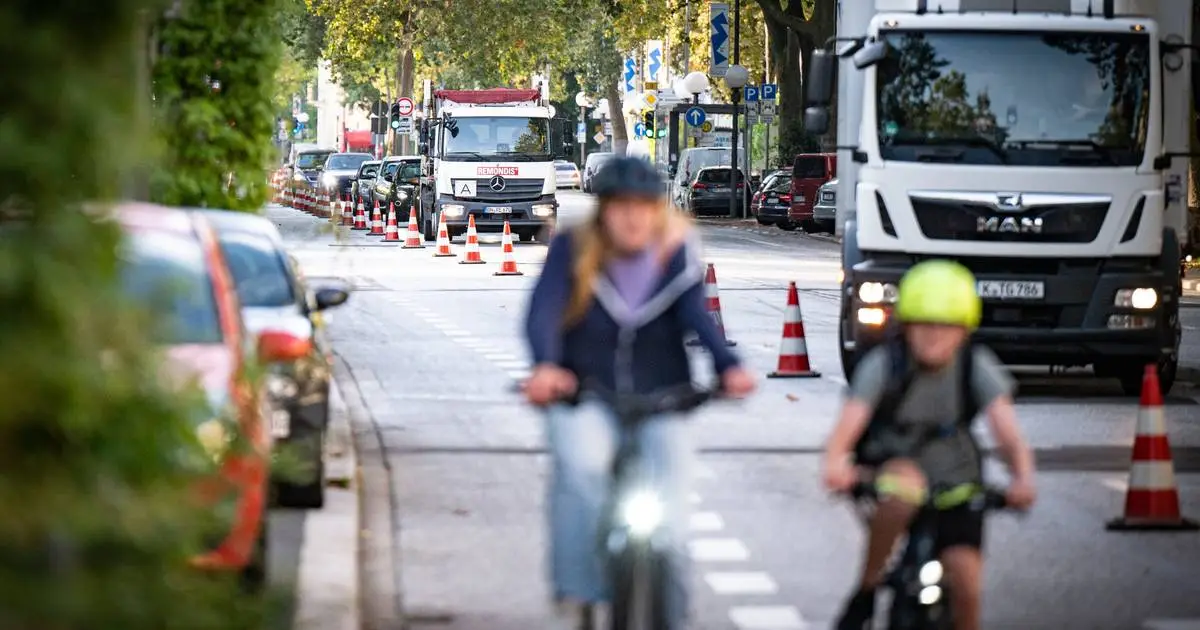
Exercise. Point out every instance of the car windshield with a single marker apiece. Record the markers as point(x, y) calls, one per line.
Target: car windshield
point(168, 274)
point(485, 137)
point(409, 169)
point(809, 167)
point(258, 270)
point(780, 184)
point(368, 171)
point(970, 98)
point(345, 162)
point(311, 160)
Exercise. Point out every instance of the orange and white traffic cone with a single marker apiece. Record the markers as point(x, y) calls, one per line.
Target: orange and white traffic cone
point(376, 221)
point(414, 239)
point(392, 235)
point(360, 218)
point(347, 212)
point(473, 256)
point(443, 240)
point(712, 300)
point(1152, 498)
point(793, 351)
point(508, 266)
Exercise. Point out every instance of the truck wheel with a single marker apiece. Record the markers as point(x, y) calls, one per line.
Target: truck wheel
point(1131, 375)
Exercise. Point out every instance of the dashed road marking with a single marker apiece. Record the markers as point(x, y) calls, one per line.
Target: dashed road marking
point(766, 618)
point(707, 522)
point(499, 356)
point(741, 583)
point(512, 364)
point(718, 550)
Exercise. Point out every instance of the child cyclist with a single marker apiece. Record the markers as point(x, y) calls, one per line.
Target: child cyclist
point(914, 394)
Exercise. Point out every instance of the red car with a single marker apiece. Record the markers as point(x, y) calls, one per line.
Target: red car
point(172, 263)
point(809, 171)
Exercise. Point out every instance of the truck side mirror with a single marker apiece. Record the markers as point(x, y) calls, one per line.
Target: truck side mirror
point(822, 67)
point(423, 148)
point(816, 120)
point(871, 54)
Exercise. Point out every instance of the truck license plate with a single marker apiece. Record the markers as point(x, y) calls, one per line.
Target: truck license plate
point(1011, 289)
point(498, 210)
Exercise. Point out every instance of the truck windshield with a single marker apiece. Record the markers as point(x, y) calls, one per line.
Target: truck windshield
point(498, 138)
point(975, 98)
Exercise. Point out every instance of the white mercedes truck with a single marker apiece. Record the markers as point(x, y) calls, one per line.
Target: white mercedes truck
point(1041, 143)
point(488, 153)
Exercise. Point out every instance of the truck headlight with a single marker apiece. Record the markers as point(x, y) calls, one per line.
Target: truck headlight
point(543, 209)
point(642, 512)
point(453, 210)
point(1142, 299)
point(877, 293)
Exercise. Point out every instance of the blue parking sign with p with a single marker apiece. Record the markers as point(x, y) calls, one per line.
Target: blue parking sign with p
point(750, 93)
point(769, 90)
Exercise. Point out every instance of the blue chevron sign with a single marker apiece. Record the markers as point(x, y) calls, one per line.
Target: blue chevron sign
point(719, 12)
point(653, 60)
point(630, 73)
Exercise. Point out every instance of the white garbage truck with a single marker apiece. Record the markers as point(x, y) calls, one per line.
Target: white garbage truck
point(1041, 143)
point(489, 154)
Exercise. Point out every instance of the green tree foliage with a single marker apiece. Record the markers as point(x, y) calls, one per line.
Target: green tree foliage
point(98, 522)
point(213, 87)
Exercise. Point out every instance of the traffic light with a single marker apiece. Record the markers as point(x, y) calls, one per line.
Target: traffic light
point(648, 120)
point(395, 115)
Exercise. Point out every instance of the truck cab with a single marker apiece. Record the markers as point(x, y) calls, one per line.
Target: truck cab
point(1061, 188)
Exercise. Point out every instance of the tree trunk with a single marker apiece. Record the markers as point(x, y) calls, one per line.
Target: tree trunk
point(616, 114)
point(404, 81)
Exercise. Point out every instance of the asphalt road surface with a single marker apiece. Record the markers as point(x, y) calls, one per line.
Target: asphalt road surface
point(434, 348)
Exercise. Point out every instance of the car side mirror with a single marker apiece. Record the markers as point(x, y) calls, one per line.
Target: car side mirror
point(389, 177)
point(329, 297)
point(282, 347)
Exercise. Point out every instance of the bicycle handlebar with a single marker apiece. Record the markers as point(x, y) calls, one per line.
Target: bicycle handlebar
point(641, 405)
point(994, 498)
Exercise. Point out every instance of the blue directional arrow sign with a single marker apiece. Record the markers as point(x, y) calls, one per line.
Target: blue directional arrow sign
point(639, 130)
point(695, 116)
point(768, 91)
point(654, 63)
point(719, 20)
point(630, 73)
point(750, 93)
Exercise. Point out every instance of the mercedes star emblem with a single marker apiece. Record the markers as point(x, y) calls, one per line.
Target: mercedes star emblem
point(497, 184)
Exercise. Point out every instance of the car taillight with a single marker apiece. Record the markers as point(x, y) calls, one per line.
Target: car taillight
point(741, 184)
point(785, 198)
point(699, 186)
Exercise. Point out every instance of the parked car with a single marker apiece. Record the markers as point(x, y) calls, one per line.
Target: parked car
point(405, 168)
point(771, 203)
point(567, 174)
point(339, 172)
point(592, 164)
point(306, 169)
point(171, 263)
point(273, 297)
point(709, 191)
point(809, 171)
point(690, 161)
point(825, 210)
point(364, 183)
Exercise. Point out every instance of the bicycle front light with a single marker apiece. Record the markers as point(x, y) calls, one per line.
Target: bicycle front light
point(931, 573)
point(642, 512)
point(930, 595)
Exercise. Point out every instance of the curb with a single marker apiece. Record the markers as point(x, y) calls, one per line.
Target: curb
point(328, 585)
point(1191, 286)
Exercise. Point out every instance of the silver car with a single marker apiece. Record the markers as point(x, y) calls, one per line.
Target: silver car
point(825, 210)
point(566, 174)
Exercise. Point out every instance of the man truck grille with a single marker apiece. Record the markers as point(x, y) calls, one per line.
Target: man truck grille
point(957, 220)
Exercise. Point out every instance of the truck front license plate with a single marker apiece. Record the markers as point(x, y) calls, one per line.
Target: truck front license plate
point(498, 210)
point(1011, 289)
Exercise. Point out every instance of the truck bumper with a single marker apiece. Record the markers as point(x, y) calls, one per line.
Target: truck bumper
point(1075, 323)
point(523, 216)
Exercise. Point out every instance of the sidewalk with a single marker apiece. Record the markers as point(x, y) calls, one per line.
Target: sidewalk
point(1191, 283)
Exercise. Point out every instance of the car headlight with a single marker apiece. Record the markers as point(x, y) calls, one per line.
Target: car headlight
point(453, 210)
point(329, 180)
point(642, 512)
point(543, 209)
point(298, 176)
point(877, 293)
point(1142, 299)
point(401, 194)
point(281, 387)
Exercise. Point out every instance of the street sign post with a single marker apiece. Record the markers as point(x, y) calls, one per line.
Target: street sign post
point(750, 94)
point(639, 130)
point(654, 61)
point(630, 74)
point(768, 91)
point(719, 38)
point(695, 116)
point(580, 132)
point(406, 125)
point(599, 138)
point(406, 106)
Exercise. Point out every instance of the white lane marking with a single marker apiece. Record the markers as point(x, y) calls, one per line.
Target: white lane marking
point(718, 550)
point(520, 374)
point(455, 333)
point(741, 583)
point(508, 365)
point(500, 356)
point(766, 618)
point(1116, 484)
point(1172, 624)
point(707, 522)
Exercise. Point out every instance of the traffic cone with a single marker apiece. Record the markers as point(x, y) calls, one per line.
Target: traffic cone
point(508, 266)
point(347, 212)
point(376, 221)
point(1152, 498)
point(443, 240)
point(393, 231)
point(473, 256)
point(793, 351)
point(360, 218)
point(713, 302)
point(414, 239)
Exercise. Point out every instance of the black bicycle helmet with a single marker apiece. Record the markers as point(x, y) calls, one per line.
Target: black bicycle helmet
point(628, 177)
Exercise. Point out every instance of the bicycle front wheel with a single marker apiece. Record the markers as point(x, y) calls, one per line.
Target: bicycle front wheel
point(637, 575)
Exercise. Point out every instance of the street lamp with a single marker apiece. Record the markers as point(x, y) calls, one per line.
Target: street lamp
point(736, 77)
point(583, 102)
point(695, 83)
point(680, 90)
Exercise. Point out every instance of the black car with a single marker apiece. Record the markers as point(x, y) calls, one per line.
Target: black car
point(306, 171)
point(771, 203)
point(709, 192)
point(400, 176)
point(364, 183)
point(339, 173)
point(273, 296)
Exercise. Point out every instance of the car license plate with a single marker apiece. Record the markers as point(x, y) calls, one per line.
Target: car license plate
point(720, 190)
point(1011, 289)
point(772, 199)
point(498, 210)
point(281, 424)
point(799, 198)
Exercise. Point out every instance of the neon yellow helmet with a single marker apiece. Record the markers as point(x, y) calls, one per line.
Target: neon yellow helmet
point(939, 292)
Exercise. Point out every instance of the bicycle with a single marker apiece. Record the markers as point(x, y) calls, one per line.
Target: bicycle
point(631, 539)
point(920, 598)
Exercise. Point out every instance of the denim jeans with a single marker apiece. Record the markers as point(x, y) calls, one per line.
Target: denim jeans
point(583, 441)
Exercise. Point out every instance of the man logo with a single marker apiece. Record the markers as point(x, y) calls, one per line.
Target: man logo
point(1009, 202)
point(1008, 225)
point(497, 184)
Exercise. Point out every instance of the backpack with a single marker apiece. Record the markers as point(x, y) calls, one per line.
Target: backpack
point(872, 449)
